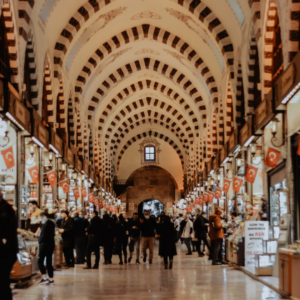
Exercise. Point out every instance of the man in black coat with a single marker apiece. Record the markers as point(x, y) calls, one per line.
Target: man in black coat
point(47, 245)
point(93, 231)
point(80, 225)
point(67, 234)
point(134, 233)
point(108, 233)
point(8, 246)
point(201, 229)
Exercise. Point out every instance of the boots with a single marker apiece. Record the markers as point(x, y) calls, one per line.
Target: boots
point(171, 264)
point(166, 266)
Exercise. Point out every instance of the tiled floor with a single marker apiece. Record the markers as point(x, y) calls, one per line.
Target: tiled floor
point(191, 278)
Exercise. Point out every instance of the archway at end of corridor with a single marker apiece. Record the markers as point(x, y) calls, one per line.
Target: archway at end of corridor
point(153, 205)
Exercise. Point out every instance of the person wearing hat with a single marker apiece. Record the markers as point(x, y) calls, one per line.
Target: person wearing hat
point(216, 234)
point(8, 246)
point(47, 245)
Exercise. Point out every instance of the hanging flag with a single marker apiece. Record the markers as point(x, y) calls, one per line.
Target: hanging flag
point(226, 185)
point(211, 196)
point(52, 178)
point(251, 174)
point(237, 182)
point(65, 186)
point(76, 193)
point(96, 201)
point(197, 200)
point(104, 204)
point(200, 200)
point(34, 174)
point(298, 151)
point(205, 197)
point(91, 198)
point(83, 192)
point(272, 158)
point(100, 205)
point(218, 194)
point(8, 156)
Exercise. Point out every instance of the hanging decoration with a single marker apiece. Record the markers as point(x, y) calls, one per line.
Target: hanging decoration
point(226, 185)
point(52, 178)
point(251, 174)
point(8, 156)
point(272, 158)
point(76, 193)
point(237, 182)
point(34, 174)
point(65, 186)
point(218, 194)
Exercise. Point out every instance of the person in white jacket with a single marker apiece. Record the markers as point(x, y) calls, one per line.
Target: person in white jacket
point(186, 228)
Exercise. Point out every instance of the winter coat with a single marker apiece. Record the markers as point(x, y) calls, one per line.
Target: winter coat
point(94, 230)
point(46, 237)
point(68, 234)
point(167, 245)
point(108, 231)
point(80, 224)
point(200, 228)
point(216, 231)
point(148, 227)
point(8, 230)
point(134, 232)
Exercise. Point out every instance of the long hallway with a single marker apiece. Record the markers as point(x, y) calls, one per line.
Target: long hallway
point(190, 277)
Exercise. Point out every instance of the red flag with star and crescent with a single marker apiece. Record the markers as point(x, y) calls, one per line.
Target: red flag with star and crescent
point(91, 198)
point(65, 186)
point(272, 158)
point(237, 182)
point(76, 193)
point(251, 174)
point(205, 197)
point(211, 196)
point(34, 174)
point(226, 185)
point(8, 156)
point(52, 178)
point(218, 194)
point(83, 192)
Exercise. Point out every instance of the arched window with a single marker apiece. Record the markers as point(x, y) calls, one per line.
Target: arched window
point(149, 153)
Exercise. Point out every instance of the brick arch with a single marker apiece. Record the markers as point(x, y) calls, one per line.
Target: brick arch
point(11, 36)
point(33, 88)
point(240, 98)
point(60, 112)
point(229, 112)
point(25, 10)
point(200, 10)
point(149, 102)
point(256, 15)
point(148, 84)
point(145, 64)
point(152, 33)
point(143, 135)
point(47, 94)
point(117, 132)
point(294, 36)
point(214, 133)
point(79, 135)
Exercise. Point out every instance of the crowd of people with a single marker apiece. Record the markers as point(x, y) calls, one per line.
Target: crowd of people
point(83, 235)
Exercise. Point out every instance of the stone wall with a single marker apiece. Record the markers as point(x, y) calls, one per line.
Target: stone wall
point(150, 182)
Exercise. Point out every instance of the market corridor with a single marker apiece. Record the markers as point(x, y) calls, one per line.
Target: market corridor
point(190, 277)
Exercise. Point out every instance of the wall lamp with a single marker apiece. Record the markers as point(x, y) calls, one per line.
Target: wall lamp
point(274, 127)
point(253, 153)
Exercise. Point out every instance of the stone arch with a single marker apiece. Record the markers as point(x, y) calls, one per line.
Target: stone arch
point(145, 64)
point(25, 9)
point(60, 112)
point(200, 10)
point(229, 112)
point(240, 98)
point(71, 120)
point(79, 140)
point(294, 36)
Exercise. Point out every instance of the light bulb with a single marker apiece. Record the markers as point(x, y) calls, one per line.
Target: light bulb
point(253, 148)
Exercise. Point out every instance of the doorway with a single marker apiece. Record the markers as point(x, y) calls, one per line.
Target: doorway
point(154, 206)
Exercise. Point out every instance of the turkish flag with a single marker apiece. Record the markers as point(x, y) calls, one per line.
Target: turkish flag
point(76, 193)
point(91, 198)
point(205, 197)
point(34, 174)
point(83, 192)
point(226, 185)
point(96, 201)
point(52, 178)
point(272, 158)
point(100, 205)
point(108, 207)
point(8, 156)
point(211, 196)
point(237, 182)
point(218, 194)
point(251, 174)
point(104, 204)
point(298, 151)
point(65, 186)
point(201, 200)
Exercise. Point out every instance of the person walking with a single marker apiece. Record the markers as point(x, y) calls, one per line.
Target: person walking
point(108, 238)
point(93, 231)
point(134, 234)
point(148, 227)
point(201, 229)
point(177, 228)
point(8, 246)
point(46, 247)
point(167, 247)
point(67, 234)
point(216, 234)
point(186, 228)
point(122, 234)
point(180, 219)
point(80, 225)
point(34, 216)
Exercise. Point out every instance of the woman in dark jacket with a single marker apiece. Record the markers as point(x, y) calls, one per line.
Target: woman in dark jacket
point(167, 247)
point(122, 234)
point(108, 238)
point(47, 245)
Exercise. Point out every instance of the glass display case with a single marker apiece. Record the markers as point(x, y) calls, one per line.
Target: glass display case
point(270, 246)
point(264, 264)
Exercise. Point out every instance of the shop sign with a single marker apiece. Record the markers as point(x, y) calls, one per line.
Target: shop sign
point(216, 162)
point(92, 173)
point(78, 164)
point(58, 144)
point(264, 112)
point(43, 135)
point(285, 83)
point(209, 166)
point(70, 156)
point(246, 131)
point(232, 143)
point(204, 173)
point(255, 233)
point(223, 154)
point(97, 180)
point(86, 167)
point(131, 206)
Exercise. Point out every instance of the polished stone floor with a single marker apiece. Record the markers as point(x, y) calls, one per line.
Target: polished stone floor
point(190, 278)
